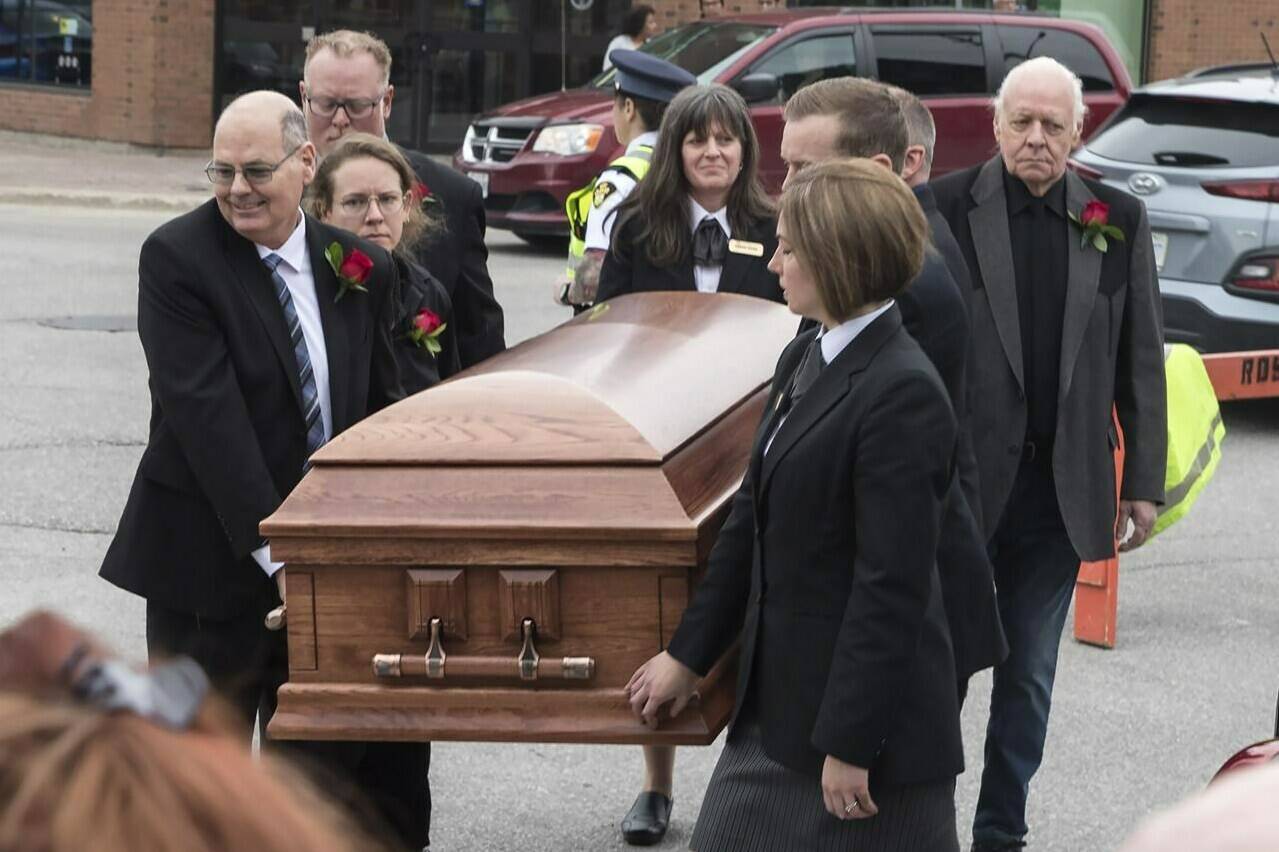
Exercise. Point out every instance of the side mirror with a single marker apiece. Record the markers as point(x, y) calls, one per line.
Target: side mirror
point(757, 87)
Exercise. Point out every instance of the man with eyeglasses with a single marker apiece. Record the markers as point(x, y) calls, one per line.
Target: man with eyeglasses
point(257, 355)
point(346, 88)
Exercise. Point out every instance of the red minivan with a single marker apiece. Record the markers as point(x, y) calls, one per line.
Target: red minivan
point(529, 155)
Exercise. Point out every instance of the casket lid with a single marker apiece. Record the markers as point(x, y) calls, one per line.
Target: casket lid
point(629, 382)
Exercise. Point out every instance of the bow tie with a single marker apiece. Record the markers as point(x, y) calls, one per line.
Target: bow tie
point(710, 243)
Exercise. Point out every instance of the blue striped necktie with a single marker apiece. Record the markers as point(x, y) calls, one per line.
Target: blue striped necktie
point(306, 375)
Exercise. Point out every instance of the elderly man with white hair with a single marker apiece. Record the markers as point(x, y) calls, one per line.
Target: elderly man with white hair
point(1066, 342)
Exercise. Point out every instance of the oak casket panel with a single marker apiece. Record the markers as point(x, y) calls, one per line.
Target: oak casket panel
point(492, 558)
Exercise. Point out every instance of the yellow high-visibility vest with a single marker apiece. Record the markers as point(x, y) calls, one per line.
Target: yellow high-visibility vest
point(578, 204)
point(1195, 432)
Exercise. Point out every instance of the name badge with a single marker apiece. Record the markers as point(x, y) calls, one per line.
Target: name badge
point(746, 247)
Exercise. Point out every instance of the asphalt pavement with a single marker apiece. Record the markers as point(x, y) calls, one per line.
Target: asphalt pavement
point(1193, 678)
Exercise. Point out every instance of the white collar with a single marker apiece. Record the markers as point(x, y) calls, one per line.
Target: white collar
point(835, 340)
point(696, 213)
point(649, 139)
point(293, 252)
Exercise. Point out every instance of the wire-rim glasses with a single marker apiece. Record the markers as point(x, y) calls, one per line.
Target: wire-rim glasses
point(223, 174)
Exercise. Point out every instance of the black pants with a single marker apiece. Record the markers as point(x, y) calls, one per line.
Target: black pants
point(384, 784)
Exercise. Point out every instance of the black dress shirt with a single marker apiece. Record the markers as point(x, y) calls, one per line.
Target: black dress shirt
point(1038, 229)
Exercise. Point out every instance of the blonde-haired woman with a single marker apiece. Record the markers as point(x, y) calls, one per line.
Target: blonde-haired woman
point(846, 733)
point(366, 186)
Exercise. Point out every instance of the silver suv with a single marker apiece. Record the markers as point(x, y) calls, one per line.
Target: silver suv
point(1202, 151)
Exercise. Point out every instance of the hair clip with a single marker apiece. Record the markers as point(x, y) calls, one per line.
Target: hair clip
point(169, 694)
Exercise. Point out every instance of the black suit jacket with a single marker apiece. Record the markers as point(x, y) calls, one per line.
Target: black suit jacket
point(943, 239)
point(1111, 356)
point(935, 314)
point(227, 440)
point(419, 289)
point(459, 259)
point(826, 567)
point(628, 270)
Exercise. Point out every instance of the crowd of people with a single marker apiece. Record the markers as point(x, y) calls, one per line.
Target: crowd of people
point(934, 461)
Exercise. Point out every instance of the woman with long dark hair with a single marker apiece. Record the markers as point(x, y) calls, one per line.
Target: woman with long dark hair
point(700, 220)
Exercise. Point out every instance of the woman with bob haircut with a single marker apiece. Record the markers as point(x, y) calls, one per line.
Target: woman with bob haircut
point(366, 186)
point(700, 220)
point(846, 728)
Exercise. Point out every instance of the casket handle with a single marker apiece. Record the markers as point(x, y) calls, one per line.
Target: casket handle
point(528, 665)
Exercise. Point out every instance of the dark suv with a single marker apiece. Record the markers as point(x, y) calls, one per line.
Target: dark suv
point(1203, 152)
point(529, 155)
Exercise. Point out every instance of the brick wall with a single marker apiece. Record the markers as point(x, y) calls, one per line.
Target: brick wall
point(674, 12)
point(1189, 34)
point(152, 79)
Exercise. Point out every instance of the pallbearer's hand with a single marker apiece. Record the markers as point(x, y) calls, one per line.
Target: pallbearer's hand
point(846, 790)
point(663, 678)
point(1143, 514)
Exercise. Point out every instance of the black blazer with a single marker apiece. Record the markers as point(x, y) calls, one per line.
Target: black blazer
point(943, 239)
point(420, 289)
point(459, 259)
point(1111, 356)
point(627, 268)
point(826, 567)
point(935, 314)
point(227, 439)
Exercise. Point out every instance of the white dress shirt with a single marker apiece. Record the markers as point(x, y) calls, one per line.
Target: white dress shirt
point(297, 274)
point(600, 218)
point(707, 277)
point(834, 341)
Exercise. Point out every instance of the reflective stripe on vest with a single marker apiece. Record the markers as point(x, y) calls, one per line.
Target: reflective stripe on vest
point(578, 204)
point(1195, 432)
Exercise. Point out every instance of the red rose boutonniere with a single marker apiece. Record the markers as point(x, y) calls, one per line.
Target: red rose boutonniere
point(1094, 222)
point(422, 194)
point(352, 269)
point(426, 329)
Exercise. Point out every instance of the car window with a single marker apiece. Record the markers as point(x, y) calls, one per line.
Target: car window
point(797, 64)
point(1070, 49)
point(931, 61)
point(1188, 132)
point(703, 48)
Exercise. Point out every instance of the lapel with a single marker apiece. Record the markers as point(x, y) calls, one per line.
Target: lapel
point(988, 221)
point(255, 281)
point(1083, 276)
point(832, 384)
point(336, 342)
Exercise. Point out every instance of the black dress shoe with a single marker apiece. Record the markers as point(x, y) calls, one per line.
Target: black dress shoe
point(999, 846)
point(645, 823)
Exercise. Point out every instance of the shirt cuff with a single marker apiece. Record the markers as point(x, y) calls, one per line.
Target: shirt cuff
point(263, 557)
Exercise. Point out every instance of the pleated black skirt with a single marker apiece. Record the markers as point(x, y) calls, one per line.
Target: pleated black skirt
point(755, 804)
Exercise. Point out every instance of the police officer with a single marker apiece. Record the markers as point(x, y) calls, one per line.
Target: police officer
point(643, 86)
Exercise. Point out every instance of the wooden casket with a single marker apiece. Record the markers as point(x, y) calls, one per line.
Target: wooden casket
point(491, 559)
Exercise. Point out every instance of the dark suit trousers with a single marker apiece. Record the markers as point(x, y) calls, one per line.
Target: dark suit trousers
point(245, 661)
point(383, 784)
point(1035, 571)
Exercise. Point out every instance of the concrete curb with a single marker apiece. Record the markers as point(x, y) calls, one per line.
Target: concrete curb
point(172, 202)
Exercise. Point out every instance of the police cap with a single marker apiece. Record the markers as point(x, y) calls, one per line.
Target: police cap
point(642, 75)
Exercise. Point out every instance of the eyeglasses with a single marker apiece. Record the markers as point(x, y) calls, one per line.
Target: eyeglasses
point(355, 107)
point(255, 173)
point(387, 202)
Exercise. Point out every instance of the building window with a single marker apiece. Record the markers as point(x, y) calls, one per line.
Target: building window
point(42, 41)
